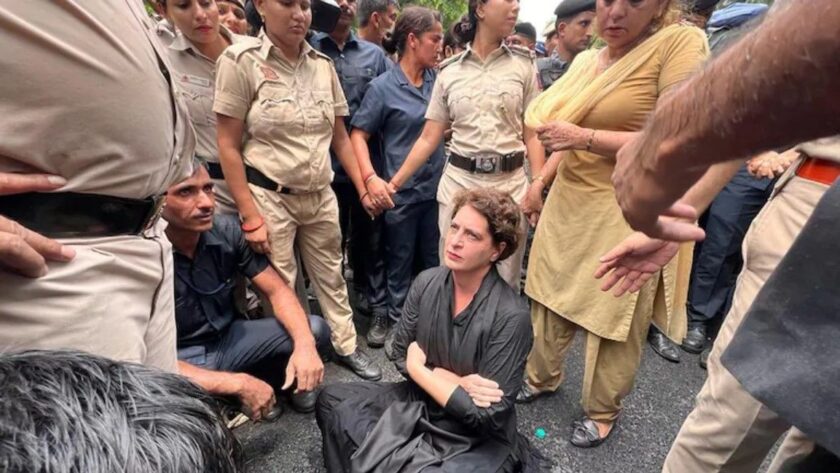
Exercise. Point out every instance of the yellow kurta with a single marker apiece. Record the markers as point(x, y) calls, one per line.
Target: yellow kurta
point(581, 219)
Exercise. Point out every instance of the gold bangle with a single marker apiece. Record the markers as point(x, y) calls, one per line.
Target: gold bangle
point(591, 141)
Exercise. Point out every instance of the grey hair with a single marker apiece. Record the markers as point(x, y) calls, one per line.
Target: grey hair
point(71, 412)
point(366, 8)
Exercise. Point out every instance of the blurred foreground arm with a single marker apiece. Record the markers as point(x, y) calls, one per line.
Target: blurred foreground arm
point(761, 94)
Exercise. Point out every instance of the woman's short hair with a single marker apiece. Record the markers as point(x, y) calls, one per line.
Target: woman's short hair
point(416, 20)
point(501, 212)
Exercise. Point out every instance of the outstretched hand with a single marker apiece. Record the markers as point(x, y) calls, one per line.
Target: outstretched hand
point(633, 262)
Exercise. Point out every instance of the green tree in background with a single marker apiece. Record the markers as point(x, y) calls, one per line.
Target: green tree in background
point(451, 10)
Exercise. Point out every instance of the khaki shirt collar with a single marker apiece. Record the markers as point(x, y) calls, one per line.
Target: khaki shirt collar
point(181, 43)
point(267, 45)
point(504, 49)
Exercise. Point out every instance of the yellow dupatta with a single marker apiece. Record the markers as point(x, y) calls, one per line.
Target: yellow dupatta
point(571, 99)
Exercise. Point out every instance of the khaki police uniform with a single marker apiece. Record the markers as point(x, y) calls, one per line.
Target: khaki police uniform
point(165, 31)
point(194, 75)
point(729, 431)
point(289, 111)
point(84, 97)
point(484, 103)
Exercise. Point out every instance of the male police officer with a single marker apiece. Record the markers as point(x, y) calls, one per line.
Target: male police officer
point(573, 29)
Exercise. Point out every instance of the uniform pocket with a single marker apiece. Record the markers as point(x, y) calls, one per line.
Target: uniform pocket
point(277, 104)
point(464, 104)
point(200, 105)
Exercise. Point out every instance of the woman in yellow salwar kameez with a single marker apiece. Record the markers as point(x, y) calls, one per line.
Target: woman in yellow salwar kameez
point(588, 115)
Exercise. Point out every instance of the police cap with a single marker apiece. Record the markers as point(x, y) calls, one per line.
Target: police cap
point(526, 30)
point(569, 8)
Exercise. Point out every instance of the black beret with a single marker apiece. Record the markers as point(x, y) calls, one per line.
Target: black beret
point(569, 8)
point(527, 30)
point(704, 5)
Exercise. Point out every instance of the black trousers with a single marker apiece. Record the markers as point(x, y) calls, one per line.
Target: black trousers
point(717, 260)
point(362, 241)
point(411, 246)
point(260, 348)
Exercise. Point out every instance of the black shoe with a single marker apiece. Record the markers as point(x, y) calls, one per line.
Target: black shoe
point(663, 346)
point(527, 394)
point(389, 345)
point(695, 340)
point(304, 401)
point(704, 357)
point(585, 433)
point(275, 413)
point(361, 364)
point(379, 329)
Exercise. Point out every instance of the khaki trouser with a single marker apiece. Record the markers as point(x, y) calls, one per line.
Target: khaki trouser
point(311, 221)
point(610, 366)
point(115, 299)
point(514, 183)
point(728, 430)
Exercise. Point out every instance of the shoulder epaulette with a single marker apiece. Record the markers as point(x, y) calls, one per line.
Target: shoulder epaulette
point(236, 50)
point(451, 60)
point(523, 52)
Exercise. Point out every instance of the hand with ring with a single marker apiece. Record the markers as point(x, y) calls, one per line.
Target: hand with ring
point(379, 193)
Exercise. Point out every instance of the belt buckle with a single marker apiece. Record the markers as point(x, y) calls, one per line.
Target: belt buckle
point(159, 202)
point(486, 164)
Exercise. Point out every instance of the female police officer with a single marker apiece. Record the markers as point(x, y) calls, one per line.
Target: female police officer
point(193, 54)
point(279, 107)
point(482, 93)
point(393, 108)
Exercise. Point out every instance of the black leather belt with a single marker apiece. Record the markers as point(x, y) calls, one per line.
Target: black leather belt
point(75, 215)
point(490, 164)
point(253, 176)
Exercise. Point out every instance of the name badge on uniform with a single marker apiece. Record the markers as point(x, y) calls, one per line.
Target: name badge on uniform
point(196, 80)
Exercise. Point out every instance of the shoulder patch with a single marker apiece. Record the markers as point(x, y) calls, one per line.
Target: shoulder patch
point(523, 52)
point(451, 60)
point(237, 49)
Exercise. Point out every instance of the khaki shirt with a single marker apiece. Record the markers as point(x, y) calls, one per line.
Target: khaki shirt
point(484, 102)
point(194, 75)
point(83, 97)
point(165, 31)
point(289, 110)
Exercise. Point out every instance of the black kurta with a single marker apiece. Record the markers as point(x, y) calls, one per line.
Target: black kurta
point(389, 427)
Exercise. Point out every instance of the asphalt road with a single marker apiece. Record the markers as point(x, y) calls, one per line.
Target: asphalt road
point(663, 396)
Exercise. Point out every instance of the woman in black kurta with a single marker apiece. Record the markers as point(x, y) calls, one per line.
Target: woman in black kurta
point(390, 427)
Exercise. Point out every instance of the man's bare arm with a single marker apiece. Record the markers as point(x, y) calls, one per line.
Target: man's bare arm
point(776, 87)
